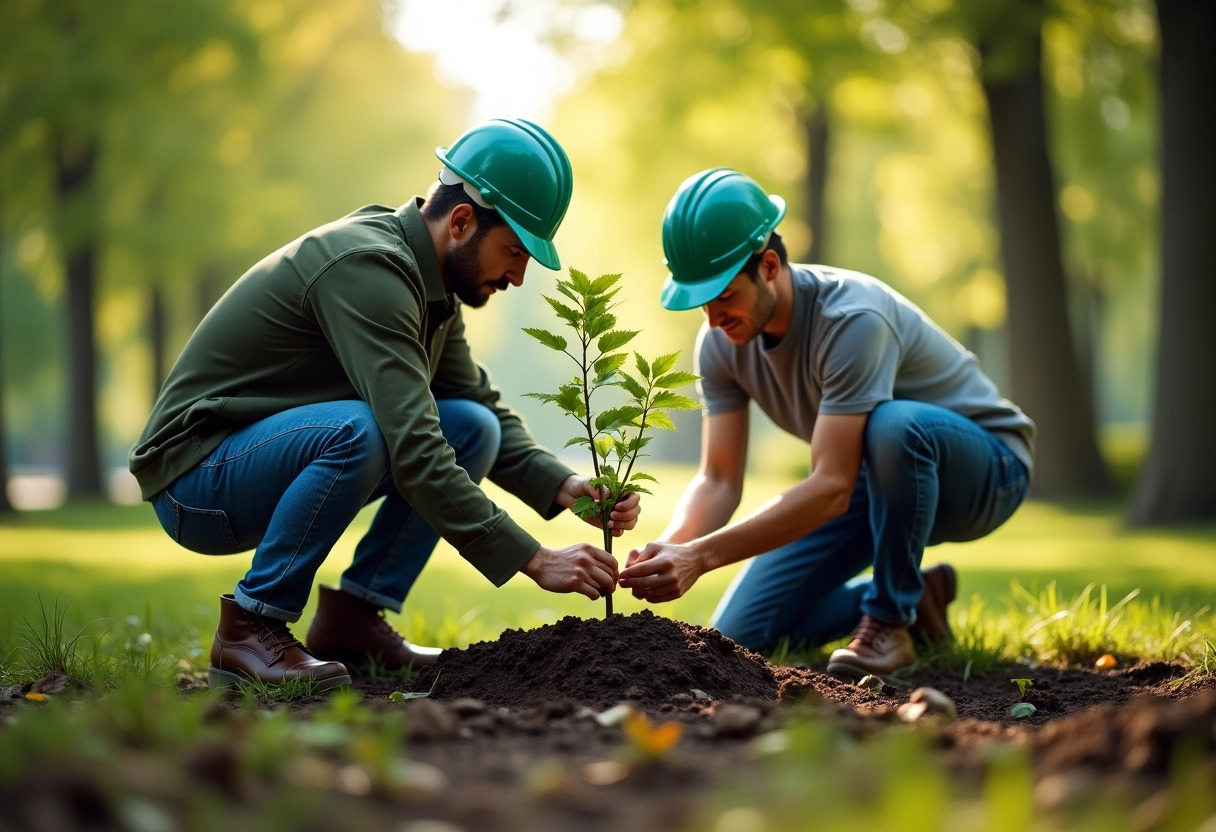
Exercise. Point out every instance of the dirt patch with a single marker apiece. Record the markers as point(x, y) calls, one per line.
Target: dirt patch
point(514, 736)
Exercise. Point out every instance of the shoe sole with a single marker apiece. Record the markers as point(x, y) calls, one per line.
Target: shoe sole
point(218, 678)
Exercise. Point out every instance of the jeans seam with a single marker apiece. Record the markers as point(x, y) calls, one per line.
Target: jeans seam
point(304, 537)
point(268, 440)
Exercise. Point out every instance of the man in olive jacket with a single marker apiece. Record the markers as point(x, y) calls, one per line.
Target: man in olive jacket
point(334, 373)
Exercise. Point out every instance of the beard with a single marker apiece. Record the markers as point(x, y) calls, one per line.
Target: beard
point(462, 268)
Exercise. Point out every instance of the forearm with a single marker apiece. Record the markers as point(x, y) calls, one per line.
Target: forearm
point(785, 518)
point(706, 506)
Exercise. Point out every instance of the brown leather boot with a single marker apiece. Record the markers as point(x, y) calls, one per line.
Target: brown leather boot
point(355, 632)
point(932, 622)
point(250, 646)
point(877, 649)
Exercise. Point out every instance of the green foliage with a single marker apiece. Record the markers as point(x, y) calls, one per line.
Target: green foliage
point(615, 435)
point(1023, 686)
point(1021, 710)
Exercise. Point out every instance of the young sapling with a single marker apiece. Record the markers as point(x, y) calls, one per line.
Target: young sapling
point(615, 436)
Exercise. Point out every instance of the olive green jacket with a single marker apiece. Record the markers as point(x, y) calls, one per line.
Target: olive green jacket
point(355, 309)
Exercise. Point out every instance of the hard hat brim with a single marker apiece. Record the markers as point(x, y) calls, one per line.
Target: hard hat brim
point(542, 250)
point(678, 296)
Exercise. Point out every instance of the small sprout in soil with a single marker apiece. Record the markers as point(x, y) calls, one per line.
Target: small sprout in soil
point(1023, 685)
point(870, 682)
point(1022, 710)
point(402, 696)
point(1106, 662)
point(615, 437)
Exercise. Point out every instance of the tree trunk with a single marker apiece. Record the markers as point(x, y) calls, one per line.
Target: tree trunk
point(157, 336)
point(6, 507)
point(1175, 484)
point(75, 166)
point(1044, 376)
point(816, 126)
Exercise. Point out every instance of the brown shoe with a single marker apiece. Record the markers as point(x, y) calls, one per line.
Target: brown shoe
point(876, 648)
point(250, 646)
point(932, 622)
point(355, 632)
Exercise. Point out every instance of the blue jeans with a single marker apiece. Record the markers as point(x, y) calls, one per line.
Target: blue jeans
point(928, 476)
point(291, 484)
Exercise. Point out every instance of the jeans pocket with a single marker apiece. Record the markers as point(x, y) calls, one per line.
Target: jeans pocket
point(206, 531)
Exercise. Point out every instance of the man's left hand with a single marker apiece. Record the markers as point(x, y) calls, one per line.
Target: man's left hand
point(624, 514)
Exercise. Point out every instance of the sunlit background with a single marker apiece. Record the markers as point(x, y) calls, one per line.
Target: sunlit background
point(151, 153)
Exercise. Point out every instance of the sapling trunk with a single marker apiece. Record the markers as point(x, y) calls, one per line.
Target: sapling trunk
point(618, 431)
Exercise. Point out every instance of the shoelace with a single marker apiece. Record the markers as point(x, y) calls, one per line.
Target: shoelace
point(283, 639)
point(868, 631)
point(385, 627)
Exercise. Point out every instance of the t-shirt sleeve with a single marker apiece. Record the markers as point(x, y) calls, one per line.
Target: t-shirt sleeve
point(717, 387)
point(858, 362)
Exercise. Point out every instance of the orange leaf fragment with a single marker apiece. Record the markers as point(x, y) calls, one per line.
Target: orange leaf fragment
point(1106, 661)
point(652, 739)
point(36, 697)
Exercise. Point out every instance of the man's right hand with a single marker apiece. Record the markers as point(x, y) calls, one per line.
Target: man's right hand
point(581, 568)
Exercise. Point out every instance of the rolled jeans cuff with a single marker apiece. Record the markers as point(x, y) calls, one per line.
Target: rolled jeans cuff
point(260, 608)
point(362, 593)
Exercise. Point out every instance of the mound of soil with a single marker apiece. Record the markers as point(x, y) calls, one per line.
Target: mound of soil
point(643, 659)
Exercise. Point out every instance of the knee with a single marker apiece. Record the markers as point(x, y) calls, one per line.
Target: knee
point(476, 439)
point(368, 448)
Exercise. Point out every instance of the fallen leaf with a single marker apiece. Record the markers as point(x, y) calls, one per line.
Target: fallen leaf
point(36, 697)
point(402, 696)
point(653, 740)
point(1022, 710)
point(52, 683)
point(1106, 661)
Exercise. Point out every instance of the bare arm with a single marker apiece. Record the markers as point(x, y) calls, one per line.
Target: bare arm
point(665, 571)
point(713, 494)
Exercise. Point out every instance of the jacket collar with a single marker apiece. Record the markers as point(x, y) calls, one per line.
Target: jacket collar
point(419, 240)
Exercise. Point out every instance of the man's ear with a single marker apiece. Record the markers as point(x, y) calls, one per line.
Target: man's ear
point(771, 262)
point(462, 222)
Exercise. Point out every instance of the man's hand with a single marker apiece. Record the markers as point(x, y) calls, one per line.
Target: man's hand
point(581, 568)
point(624, 514)
point(662, 571)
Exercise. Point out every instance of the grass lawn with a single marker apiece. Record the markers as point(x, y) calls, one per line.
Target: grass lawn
point(113, 570)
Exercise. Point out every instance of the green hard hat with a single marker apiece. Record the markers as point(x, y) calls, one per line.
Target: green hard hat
point(516, 167)
point(717, 219)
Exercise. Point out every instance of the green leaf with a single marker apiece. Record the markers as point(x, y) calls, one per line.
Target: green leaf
point(616, 339)
point(603, 446)
point(570, 316)
point(677, 379)
point(585, 507)
point(1022, 710)
point(580, 281)
point(554, 342)
point(633, 387)
point(599, 323)
point(643, 367)
point(659, 419)
point(570, 399)
point(616, 417)
point(568, 290)
point(673, 401)
point(402, 696)
point(578, 440)
point(664, 363)
point(630, 489)
point(638, 475)
point(622, 449)
point(544, 397)
point(609, 364)
point(604, 282)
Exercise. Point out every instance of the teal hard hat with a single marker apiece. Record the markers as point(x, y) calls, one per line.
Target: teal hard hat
point(717, 219)
point(516, 167)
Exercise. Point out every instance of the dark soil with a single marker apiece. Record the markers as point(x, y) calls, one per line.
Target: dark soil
point(513, 734)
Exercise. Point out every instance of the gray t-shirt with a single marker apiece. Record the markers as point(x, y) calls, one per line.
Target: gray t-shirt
point(853, 343)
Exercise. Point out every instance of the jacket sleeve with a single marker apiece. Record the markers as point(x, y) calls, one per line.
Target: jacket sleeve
point(524, 468)
point(369, 305)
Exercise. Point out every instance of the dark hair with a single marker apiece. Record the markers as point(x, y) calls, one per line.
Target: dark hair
point(752, 266)
point(441, 199)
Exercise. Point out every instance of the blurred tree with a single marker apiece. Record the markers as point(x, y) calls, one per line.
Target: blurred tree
point(1174, 485)
point(69, 69)
point(1045, 376)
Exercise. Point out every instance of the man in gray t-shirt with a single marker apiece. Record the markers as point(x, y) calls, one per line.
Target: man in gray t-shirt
point(911, 444)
